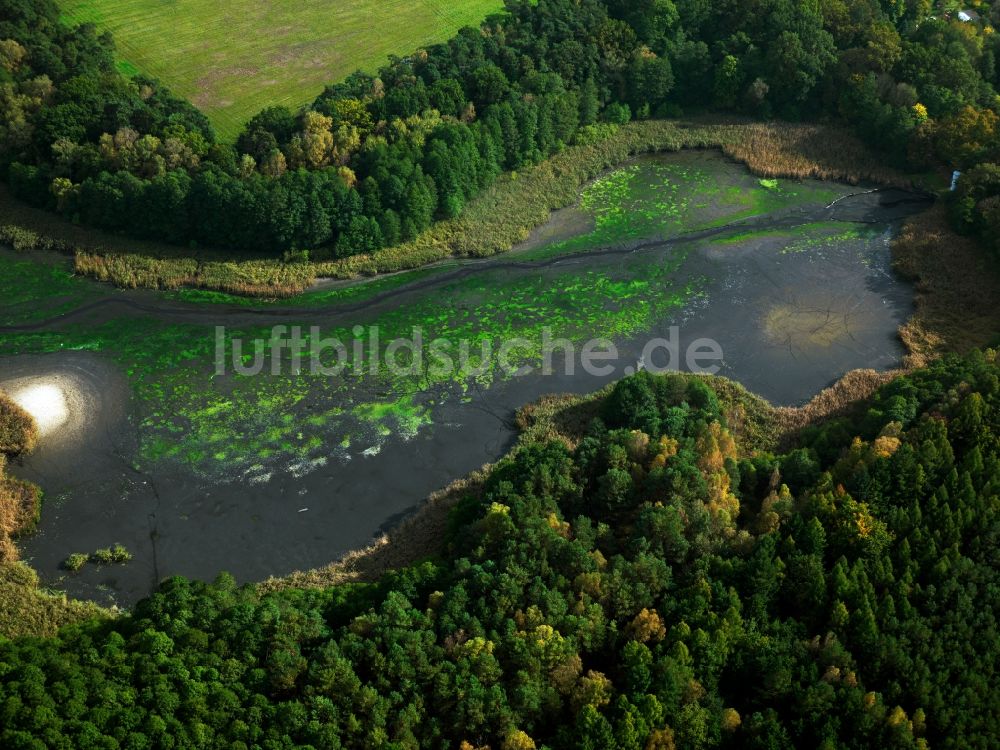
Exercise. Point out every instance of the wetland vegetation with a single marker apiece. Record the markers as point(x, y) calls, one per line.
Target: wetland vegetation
point(687, 238)
point(799, 552)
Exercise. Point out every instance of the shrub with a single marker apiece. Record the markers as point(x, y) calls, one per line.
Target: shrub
point(110, 555)
point(102, 556)
point(75, 561)
point(119, 554)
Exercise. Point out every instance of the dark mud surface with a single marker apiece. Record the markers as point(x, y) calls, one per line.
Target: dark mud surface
point(792, 310)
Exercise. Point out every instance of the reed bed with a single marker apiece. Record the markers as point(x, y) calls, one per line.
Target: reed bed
point(20, 501)
point(800, 151)
point(957, 288)
point(18, 431)
point(846, 396)
point(131, 271)
point(507, 212)
point(25, 608)
point(494, 222)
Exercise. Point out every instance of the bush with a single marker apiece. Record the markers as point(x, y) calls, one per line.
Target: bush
point(110, 555)
point(75, 561)
point(120, 555)
point(102, 556)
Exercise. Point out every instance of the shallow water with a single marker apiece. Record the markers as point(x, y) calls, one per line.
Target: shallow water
point(197, 473)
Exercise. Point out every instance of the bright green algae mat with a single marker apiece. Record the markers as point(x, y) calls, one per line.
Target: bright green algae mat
point(31, 291)
point(248, 428)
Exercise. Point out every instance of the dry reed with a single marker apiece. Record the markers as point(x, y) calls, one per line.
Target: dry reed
point(492, 223)
point(957, 288)
point(25, 608)
point(19, 500)
point(417, 538)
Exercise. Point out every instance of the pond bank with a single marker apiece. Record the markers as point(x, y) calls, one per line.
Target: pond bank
point(263, 476)
point(492, 223)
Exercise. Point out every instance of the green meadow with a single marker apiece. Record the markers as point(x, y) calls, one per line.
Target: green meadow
point(233, 58)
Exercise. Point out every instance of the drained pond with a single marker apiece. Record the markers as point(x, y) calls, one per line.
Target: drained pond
point(158, 437)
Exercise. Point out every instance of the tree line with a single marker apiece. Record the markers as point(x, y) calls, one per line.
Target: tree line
point(377, 158)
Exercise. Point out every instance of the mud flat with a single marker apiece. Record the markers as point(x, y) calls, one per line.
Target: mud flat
point(197, 472)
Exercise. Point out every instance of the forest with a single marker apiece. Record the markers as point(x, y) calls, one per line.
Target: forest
point(377, 158)
point(652, 583)
point(649, 573)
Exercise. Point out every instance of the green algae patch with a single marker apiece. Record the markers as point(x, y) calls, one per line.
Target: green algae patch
point(405, 416)
point(31, 291)
point(247, 427)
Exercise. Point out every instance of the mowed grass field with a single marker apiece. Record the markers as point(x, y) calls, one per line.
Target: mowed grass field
point(232, 58)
